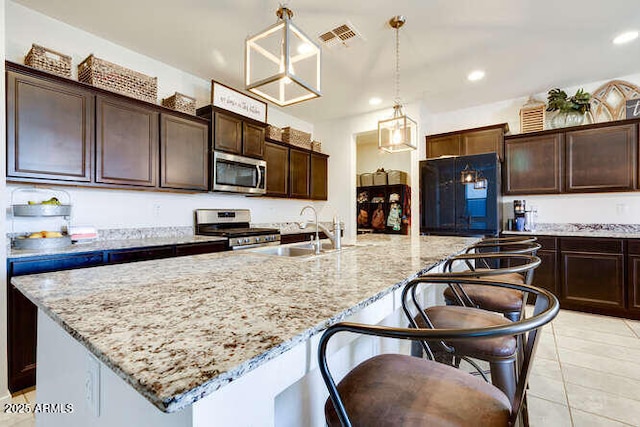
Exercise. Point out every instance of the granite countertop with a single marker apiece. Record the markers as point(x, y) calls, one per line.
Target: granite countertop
point(616, 231)
point(584, 233)
point(149, 237)
point(103, 245)
point(178, 329)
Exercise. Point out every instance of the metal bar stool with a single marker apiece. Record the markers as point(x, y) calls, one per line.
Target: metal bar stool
point(506, 301)
point(398, 390)
point(502, 352)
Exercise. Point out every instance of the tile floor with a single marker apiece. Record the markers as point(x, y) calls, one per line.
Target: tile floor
point(586, 374)
point(20, 420)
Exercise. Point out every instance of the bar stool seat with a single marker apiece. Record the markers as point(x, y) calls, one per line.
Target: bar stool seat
point(395, 390)
point(400, 390)
point(457, 317)
point(500, 300)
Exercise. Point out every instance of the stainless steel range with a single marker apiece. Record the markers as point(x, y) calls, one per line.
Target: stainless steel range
point(234, 224)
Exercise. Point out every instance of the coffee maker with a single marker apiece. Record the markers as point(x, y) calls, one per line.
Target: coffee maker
point(519, 214)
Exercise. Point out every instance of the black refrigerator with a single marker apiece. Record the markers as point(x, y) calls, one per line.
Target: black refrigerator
point(450, 207)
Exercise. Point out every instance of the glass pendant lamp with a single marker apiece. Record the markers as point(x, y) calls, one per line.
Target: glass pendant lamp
point(398, 133)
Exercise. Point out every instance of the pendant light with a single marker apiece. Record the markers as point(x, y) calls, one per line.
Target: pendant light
point(398, 133)
point(468, 175)
point(282, 64)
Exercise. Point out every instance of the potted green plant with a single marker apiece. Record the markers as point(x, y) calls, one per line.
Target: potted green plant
point(571, 110)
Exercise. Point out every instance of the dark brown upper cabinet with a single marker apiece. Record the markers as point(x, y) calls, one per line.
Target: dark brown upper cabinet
point(488, 139)
point(183, 153)
point(233, 133)
point(126, 143)
point(277, 158)
point(299, 168)
point(49, 129)
point(533, 165)
point(318, 185)
point(253, 140)
point(483, 141)
point(447, 145)
point(295, 172)
point(227, 133)
point(601, 159)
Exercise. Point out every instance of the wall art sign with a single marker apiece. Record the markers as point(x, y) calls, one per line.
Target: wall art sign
point(224, 97)
point(633, 109)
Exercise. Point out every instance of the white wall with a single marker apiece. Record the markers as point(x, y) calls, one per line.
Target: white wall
point(620, 208)
point(125, 209)
point(3, 250)
point(369, 159)
point(342, 165)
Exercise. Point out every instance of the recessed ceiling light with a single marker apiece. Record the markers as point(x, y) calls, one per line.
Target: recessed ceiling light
point(375, 101)
point(625, 37)
point(476, 75)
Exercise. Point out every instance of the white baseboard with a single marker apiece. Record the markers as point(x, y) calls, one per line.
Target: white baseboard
point(6, 398)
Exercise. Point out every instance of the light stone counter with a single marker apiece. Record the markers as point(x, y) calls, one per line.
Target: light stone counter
point(178, 329)
point(107, 245)
point(616, 231)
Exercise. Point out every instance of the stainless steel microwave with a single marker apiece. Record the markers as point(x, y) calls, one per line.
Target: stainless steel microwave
point(238, 174)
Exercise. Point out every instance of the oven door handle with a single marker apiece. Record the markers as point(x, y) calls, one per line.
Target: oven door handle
point(259, 176)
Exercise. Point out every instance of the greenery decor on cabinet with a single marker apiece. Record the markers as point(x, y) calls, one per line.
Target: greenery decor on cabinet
point(570, 110)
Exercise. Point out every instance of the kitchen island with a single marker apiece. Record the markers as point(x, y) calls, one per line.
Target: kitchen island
point(115, 340)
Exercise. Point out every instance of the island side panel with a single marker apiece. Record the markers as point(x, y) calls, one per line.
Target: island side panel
point(63, 366)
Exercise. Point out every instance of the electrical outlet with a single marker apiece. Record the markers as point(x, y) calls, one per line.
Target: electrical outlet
point(156, 211)
point(92, 385)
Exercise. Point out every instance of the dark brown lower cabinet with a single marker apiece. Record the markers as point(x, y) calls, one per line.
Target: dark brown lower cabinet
point(633, 278)
point(546, 275)
point(592, 272)
point(22, 319)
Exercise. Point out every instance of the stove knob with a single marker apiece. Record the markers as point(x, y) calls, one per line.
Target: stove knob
point(246, 240)
point(257, 239)
point(239, 241)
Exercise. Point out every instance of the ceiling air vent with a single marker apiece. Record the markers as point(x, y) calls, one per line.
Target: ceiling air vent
point(344, 34)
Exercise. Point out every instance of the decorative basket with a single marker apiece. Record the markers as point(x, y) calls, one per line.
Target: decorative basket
point(380, 178)
point(366, 179)
point(116, 78)
point(397, 177)
point(296, 137)
point(274, 132)
point(316, 146)
point(181, 102)
point(49, 60)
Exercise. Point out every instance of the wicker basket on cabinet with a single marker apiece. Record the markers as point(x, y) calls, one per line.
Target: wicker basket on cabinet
point(296, 137)
point(181, 102)
point(107, 75)
point(48, 60)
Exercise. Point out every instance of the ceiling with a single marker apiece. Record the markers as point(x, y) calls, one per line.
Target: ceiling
point(525, 46)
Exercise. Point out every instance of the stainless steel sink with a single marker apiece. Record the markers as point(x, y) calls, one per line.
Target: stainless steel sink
point(299, 250)
point(290, 251)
